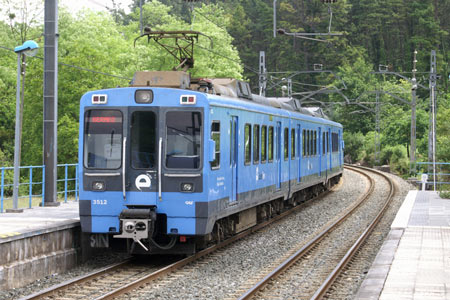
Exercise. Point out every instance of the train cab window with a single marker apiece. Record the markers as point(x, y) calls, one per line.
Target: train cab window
point(143, 140)
point(215, 136)
point(270, 150)
point(183, 144)
point(263, 144)
point(255, 144)
point(103, 139)
point(247, 143)
point(286, 143)
point(292, 143)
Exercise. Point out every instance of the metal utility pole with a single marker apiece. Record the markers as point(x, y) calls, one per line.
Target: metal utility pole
point(432, 124)
point(274, 18)
point(50, 100)
point(262, 74)
point(412, 167)
point(140, 17)
point(377, 127)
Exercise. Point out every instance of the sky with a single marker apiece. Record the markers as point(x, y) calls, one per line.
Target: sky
point(97, 5)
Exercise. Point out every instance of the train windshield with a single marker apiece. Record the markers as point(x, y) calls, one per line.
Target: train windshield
point(143, 140)
point(102, 139)
point(183, 139)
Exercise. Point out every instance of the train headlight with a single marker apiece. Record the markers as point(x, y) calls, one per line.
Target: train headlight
point(129, 226)
point(98, 186)
point(143, 96)
point(187, 187)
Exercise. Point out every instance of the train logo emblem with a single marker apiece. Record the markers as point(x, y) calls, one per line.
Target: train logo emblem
point(143, 181)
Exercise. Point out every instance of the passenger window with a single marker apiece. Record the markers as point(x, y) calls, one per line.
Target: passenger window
point(215, 136)
point(328, 142)
point(263, 144)
point(270, 144)
point(315, 142)
point(292, 143)
point(323, 143)
point(304, 142)
point(247, 143)
point(308, 143)
point(256, 144)
point(286, 143)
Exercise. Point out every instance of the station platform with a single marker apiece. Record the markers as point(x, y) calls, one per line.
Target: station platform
point(38, 220)
point(38, 242)
point(414, 260)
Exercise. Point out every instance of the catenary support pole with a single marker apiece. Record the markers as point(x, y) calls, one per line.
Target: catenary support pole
point(50, 100)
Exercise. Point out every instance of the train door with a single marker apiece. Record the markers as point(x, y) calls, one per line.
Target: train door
point(278, 154)
point(330, 156)
point(141, 161)
point(324, 154)
point(234, 138)
point(299, 152)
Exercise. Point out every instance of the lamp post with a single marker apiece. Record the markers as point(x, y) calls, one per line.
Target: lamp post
point(29, 48)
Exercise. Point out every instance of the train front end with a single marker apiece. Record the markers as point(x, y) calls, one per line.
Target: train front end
point(141, 154)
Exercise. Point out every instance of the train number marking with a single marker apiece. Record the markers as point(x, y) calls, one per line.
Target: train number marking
point(189, 202)
point(100, 202)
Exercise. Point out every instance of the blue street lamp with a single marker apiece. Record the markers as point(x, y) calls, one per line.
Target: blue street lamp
point(29, 48)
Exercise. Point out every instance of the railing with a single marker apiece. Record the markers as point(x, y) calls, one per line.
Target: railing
point(32, 185)
point(441, 178)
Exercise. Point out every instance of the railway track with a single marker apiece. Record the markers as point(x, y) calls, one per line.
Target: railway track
point(307, 271)
point(116, 280)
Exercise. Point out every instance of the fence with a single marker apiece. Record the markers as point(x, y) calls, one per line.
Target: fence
point(442, 176)
point(32, 192)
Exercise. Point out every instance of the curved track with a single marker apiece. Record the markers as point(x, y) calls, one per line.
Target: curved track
point(268, 288)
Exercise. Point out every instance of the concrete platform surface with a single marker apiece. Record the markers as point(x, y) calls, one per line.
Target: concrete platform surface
point(37, 220)
point(414, 261)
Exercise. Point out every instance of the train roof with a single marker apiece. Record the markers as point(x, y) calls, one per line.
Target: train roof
point(222, 87)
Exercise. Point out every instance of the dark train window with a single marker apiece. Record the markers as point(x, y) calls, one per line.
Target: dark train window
point(215, 136)
point(286, 143)
point(183, 140)
point(263, 144)
point(328, 142)
point(270, 150)
point(304, 142)
point(308, 143)
point(323, 143)
point(292, 143)
point(143, 140)
point(247, 143)
point(256, 144)
point(335, 142)
point(315, 142)
point(103, 139)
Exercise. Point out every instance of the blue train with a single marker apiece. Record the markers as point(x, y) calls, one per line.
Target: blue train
point(171, 164)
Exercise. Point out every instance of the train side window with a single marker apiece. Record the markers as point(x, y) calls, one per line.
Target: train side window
point(304, 142)
point(255, 144)
point(215, 136)
point(263, 144)
point(328, 142)
point(334, 142)
point(323, 143)
point(286, 143)
point(292, 143)
point(308, 143)
point(315, 142)
point(270, 150)
point(247, 143)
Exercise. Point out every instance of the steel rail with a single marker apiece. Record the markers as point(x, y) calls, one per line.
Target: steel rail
point(177, 265)
point(66, 284)
point(323, 289)
point(309, 245)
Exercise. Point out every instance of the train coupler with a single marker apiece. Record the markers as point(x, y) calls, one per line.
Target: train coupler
point(137, 224)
